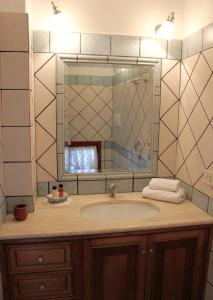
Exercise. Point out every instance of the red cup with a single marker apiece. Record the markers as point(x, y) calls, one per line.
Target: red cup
point(20, 212)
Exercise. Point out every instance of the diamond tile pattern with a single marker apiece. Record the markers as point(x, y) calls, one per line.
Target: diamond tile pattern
point(195, 133)
point(187, 142)
point(88, 112)
point(133, 102)
point(45, 116)
point(170, 91)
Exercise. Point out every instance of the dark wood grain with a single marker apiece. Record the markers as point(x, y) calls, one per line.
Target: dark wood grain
point(38, 257)
point(176, 266)
point(42, 285)
point(111, 266)
point(115, 268)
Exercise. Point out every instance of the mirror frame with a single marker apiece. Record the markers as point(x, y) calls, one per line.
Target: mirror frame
point(63, 58)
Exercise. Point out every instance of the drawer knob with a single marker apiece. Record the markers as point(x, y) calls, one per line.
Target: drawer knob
point(151, 251)
point(42, 287)
point(143, 252)
point(40, 259)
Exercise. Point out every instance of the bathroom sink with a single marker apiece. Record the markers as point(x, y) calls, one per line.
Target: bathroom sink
point(119, 211)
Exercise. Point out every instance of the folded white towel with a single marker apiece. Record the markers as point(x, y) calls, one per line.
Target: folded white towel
point(164, 184)
point(174, 197)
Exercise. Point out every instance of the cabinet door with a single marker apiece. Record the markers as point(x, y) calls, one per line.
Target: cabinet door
point(175, 265)
point(114, 268)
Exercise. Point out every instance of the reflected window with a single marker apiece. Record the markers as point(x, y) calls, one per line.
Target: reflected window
point(82, 157)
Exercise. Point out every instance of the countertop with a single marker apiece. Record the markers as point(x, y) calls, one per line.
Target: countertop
point(49, 220)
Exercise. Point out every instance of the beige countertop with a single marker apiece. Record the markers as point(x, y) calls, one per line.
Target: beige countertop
point(49, 220)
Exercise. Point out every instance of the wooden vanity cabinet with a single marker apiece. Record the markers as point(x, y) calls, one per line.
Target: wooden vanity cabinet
point(42, 269)
point(176, 265)
point(114, 268)
point(157, 265)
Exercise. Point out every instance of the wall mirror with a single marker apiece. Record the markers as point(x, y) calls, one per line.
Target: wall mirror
point(106, 116)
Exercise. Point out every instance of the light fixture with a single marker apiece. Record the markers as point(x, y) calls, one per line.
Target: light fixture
point(58, 20)
point(56, 11)
point(166, 29)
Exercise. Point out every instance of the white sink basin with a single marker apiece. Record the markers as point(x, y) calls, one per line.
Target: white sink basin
point(119, 211)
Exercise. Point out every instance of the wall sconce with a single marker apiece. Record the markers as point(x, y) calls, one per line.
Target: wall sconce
point(56, 11)
point(166, 29)
point(59, 21)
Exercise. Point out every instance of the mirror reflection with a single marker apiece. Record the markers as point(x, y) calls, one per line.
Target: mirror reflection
point(108, 117)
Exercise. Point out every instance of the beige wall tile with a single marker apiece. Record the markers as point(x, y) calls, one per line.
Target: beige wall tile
point(162, 170)
point(186, 141)
point(208, 54)
point(39, 59)
point(42, 97)
point(14, 34)
point(42, 175)
point(48, 161)
point(167, 99)
point(15, 108)
point(14, 70)
point(206, 99)
point(44, 72)
point(47, 119)
point(165, 138)
point(190, 62)
point(167, 65)
point(184, 79)
point(205, 145)
point(172, 79)
point(16, 143)
point(170, 119)
point(43, 140)
point(18, 179)
point(169, 157)
point(200, 75)
point(198, 117)
point(189, 99)
point(195, 165)
point(183, 174)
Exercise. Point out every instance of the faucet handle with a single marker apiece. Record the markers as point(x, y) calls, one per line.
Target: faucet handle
point(112, 188)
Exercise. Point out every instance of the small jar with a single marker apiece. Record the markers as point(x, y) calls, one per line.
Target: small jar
point(61, 190)
point(54, 192)
point(20, 212)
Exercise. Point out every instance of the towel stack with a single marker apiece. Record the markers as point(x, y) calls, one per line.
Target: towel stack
point(165, 190)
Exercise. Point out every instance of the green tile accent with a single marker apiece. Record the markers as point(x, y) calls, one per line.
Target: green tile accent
point(200, 199)
point(70, 79)
point(81, 79)
point(42, 188)
point(12, 201)
point(41, 40)
point(97, 80)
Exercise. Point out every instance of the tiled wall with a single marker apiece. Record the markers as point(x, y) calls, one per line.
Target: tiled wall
point(88, 112)
point(170, 81)
point(195, 128)
point(133, 105)
point(105, 45)
point(17, 109)
point(3, 208)
point(45, 104)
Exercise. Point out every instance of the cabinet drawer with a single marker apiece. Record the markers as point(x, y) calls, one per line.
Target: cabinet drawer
point(42, 285)
point(39, 257)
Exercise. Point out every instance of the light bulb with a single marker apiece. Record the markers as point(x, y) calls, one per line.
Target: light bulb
point(59, 22)
point(166, 30)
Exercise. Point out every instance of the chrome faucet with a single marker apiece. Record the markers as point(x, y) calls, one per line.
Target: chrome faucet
point(112, 189)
